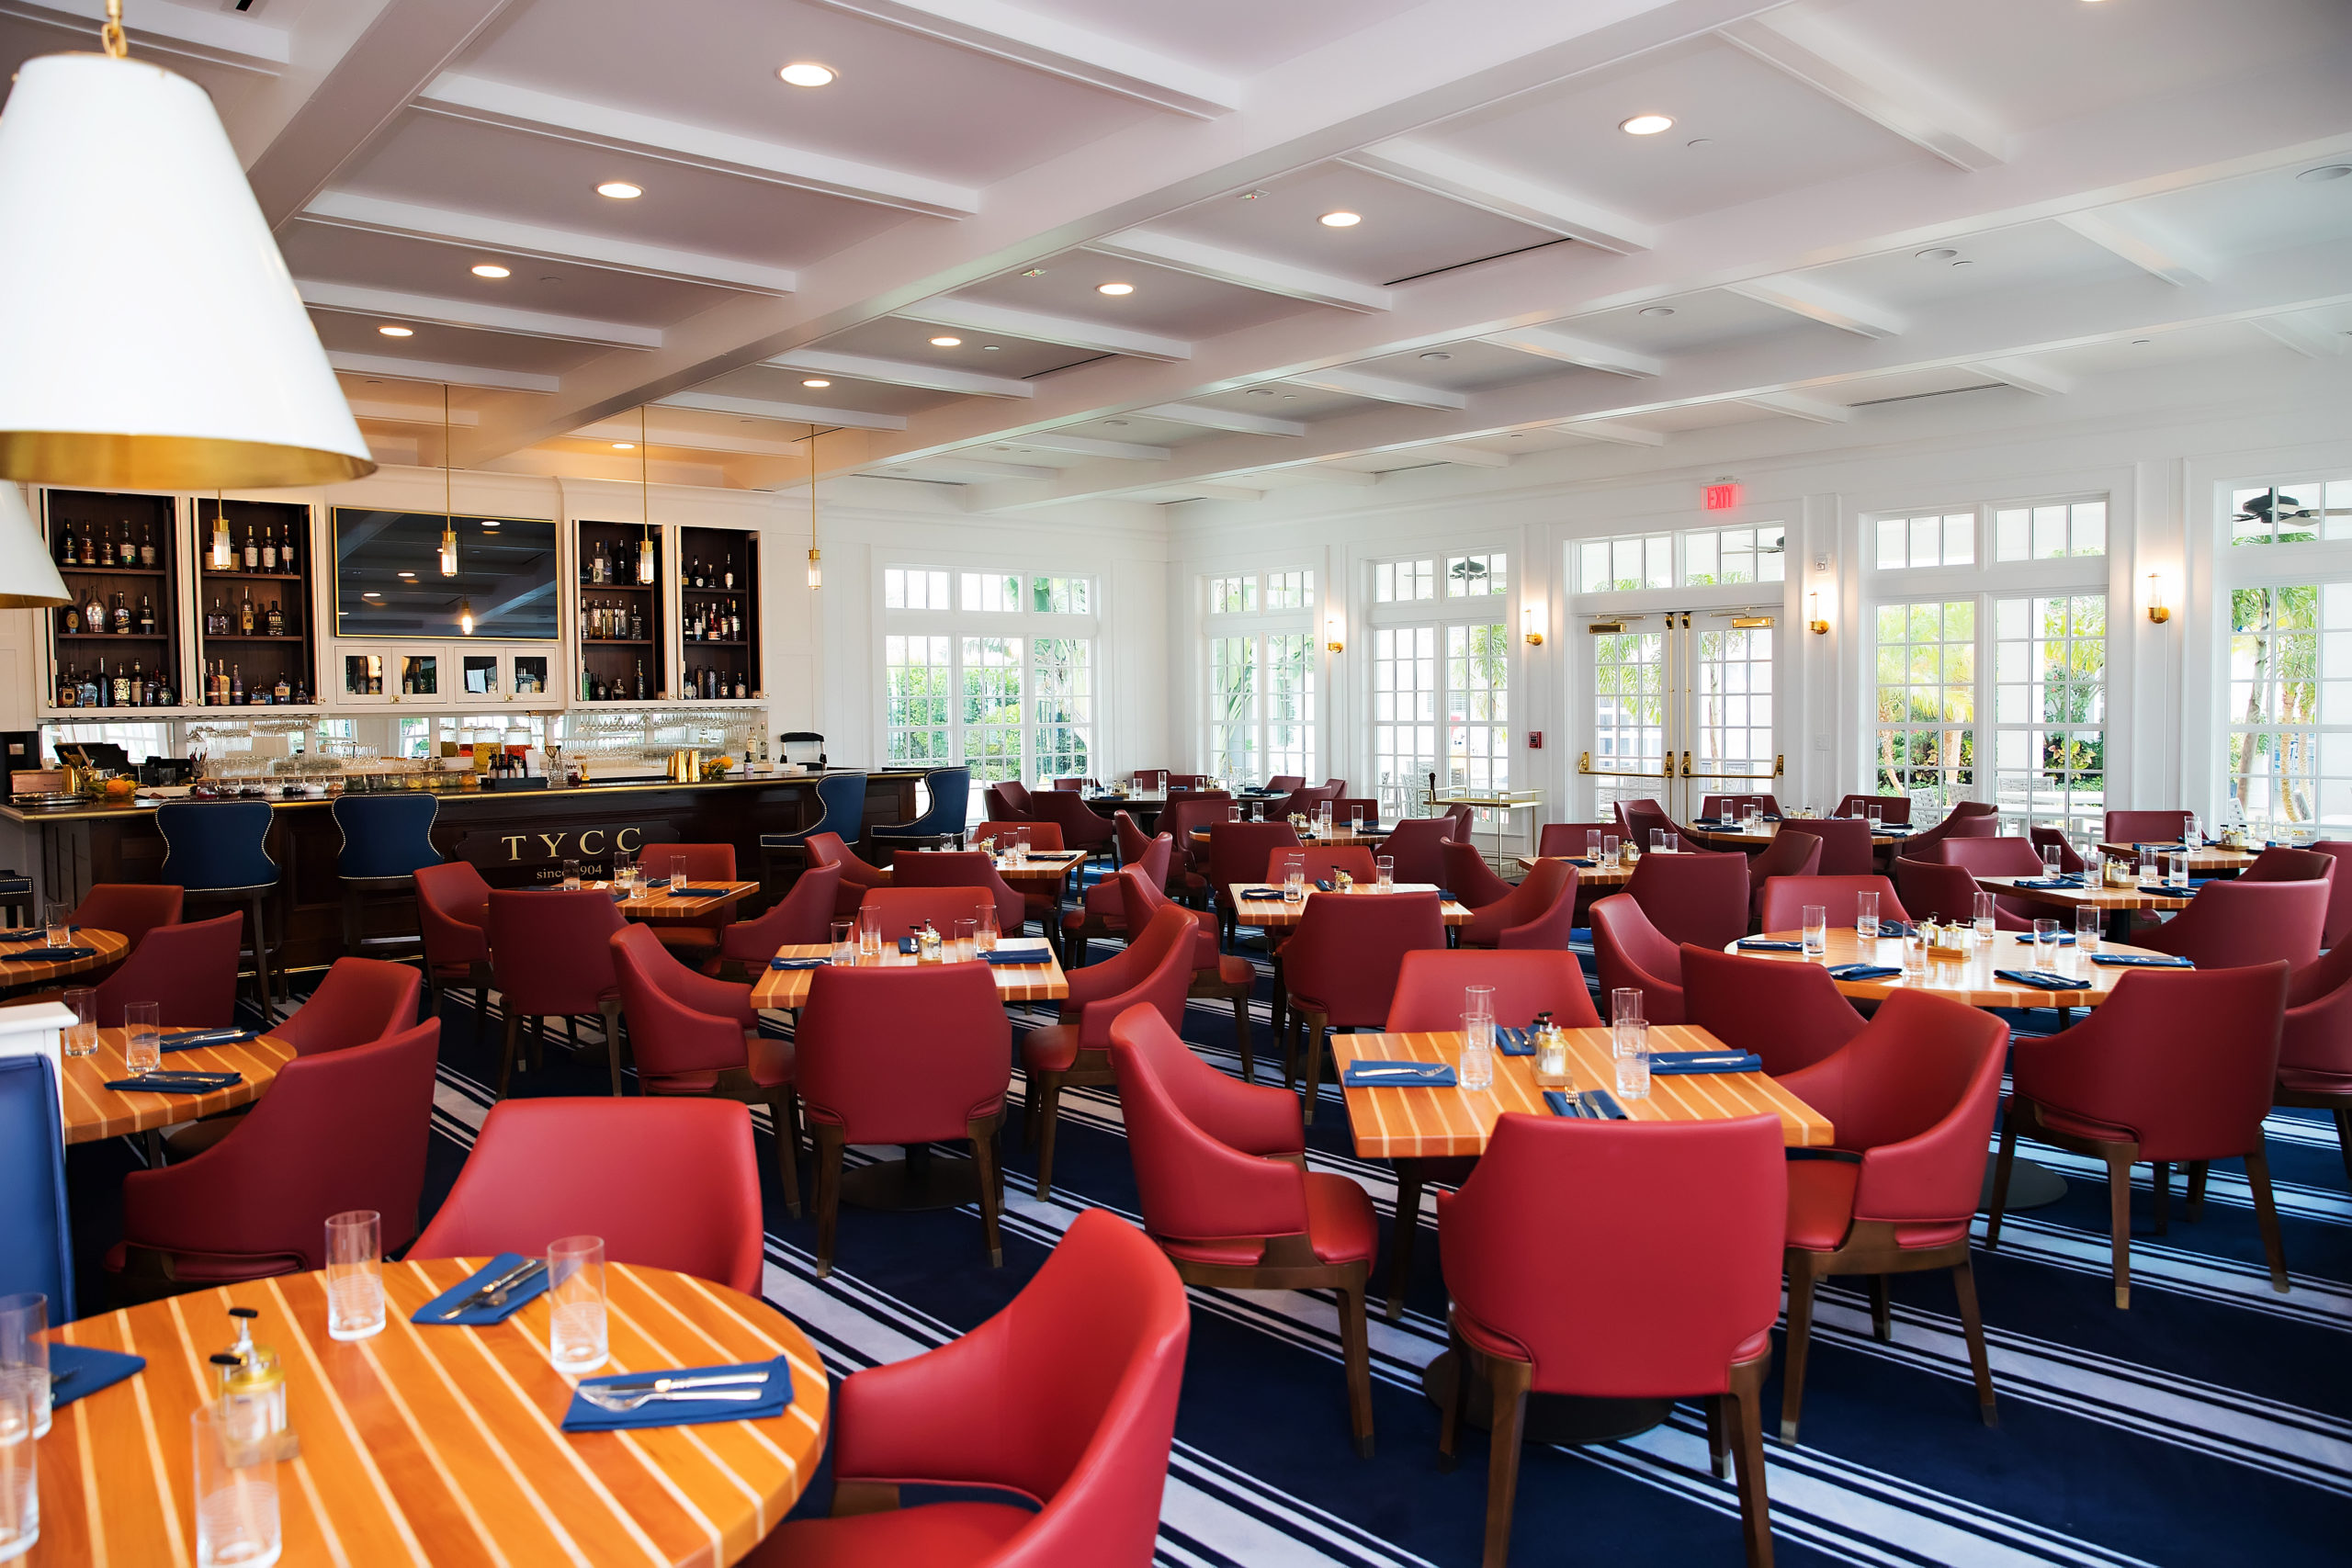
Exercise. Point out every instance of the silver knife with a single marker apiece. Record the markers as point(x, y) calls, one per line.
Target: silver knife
point(1414, 1072)
point(506, 1281)
point(663, 1384)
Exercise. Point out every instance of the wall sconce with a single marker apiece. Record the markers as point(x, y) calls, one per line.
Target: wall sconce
point(2158, 610)
point(1532, 626)
point(1332, 638)
point(1813, 621)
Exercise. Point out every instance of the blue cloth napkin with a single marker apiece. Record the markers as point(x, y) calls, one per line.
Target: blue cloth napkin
point(2160, 849)
point(52, 954)
point(1564, 1104)
point(78, 1371)
point(476, 1317)
point(1600, 1105)
point(1578, 860)
point(2160, 890)
point(798, 963)
point(1423, 1074)
point(178, 1083)
point(776, 1398)
point(908, 944)
point(700, 892)
point(2141, 961)
point(2026, 939)
point(2050, 882)
point(1324, 885)
point(1673, 1061)
point(1515, 1041)
point(28, 935)
point(1863, 972)
point(1446, 896)
point(1769, 944)
point(1029, 959)
point(2041, 979)
point(194, 1039)
point(1261, 892)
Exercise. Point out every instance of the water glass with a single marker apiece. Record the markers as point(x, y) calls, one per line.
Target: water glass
point(2053, 861)
point(60, 925)
point(1875, 814)
point(1625, 1004)
point(144, 1053)
point(844, 941)
point(1674, 844)
point(1355, 820)
point(355, 1274)
point(1658, 840)
point(1020, 846)
point(571, 876)
point(576, 1304)
point(2177, 874)
point(1478, 1001)
point(2045, 943)
point(20, 1467)
point(2190, 834)
point(869, 932)
point(966, 937)
point(1477, 1068)
point(2151, 872)
point(236, 1494)
point(24, 1347)
point(82, 1034)
point(1384, 872)
point(1609, 852)
point(1816, 931)
point(2086, 931)
point(1915, 955)
point(1233, 814)
point(1629, 1042)
point(1592, 845)
point(984, 940)
point(1865, 919)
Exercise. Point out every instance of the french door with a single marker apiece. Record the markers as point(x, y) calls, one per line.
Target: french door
point(1683, 706)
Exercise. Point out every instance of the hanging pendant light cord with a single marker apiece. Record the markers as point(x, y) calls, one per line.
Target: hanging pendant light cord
point(448, 508)
point(117, 46)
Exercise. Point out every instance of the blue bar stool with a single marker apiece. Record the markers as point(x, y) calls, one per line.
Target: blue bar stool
point(385, 838)
point(940, 827)
point(216, 849)
point(841, 808)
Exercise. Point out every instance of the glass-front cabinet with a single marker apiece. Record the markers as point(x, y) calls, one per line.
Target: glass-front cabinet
point(619, 626)
point(718, 614)
point(118, 644)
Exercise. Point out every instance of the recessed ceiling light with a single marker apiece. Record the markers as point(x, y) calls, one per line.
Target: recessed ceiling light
point(1701, 141)
point(620, 190)
point(816, 381)
point(491, 269)
point(624, 446)
point(1114, 288)
point(1645, 125)
point(397, 331)
point(1435, 354)
point(990, 347)
point(947, 343)
point(2325, 171)
point(1115, 421)
point(1938, 253)
point(409, 574)
point(1658, 310)
point(2141, 342)
point(808, 73)
point(1341, 219)
point(490, 523)
point(371, 596)
point(1261, 392)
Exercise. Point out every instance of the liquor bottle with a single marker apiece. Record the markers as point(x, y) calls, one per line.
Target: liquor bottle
point(104, 696)
point(741, 686)
point(65, 541)
point(640, 680)
point(69, 688)
point(636, 622)
point(245, 616)
point(237, 680)
point(89, 545)
point(146, 616)
point(277, 622)
point(127, 554)
point(270, 549)
point(730, 573)
point(253, 551)
point(90, 684)
point(94, 611)
point(217, 623)
point(73, 619)
point(121, 617)
point(734, 621)
point(286, 550)
point(301, 693)
point(135, 693)
point(147, 549)
point(121, 688)
point(159, 694)
point(283, 692)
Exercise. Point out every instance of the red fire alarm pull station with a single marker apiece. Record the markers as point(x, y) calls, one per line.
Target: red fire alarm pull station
point(1535, 741)
point(1721, 498)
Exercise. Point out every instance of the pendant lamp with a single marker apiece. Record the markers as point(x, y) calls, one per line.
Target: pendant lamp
point(149, 335)
point(223, 552)
point(29, 579)
point(644, 503)
point(448, 508)
point(816, 562)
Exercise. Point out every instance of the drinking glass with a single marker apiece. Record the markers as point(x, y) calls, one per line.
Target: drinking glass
point(1816, 931)
point(1233, 814)
point(2088, 923)
point(1384, 872)
point(236, 1494)
point(1986, 921)
point(355, 1274)
point(1609, 852)
point(1323, 820)
point(1477, 1068)
point(2053, 861)
point(967, 936)
point(1914, 954)
point(1478, 1001)
point(19, 1470)
point(144, 1053)
point(1658, 840)
point(844, 941)
point(984, 940)
point(677, 873)
point(2176, 875)
point(1293, 883)
point(60, 925)
point(2190, 834)
point(82, 1034)
point(1875, 814)
point(1629, 1042)
point(869, 932)
point(576, 1294)
point(2045, 943)
point(24, 1320)
point(571, 876)
point(1865, 919)
point(1674, 844)
point(1021, 846)
point(1624, 1004)
point(2151, 872)
point(1592, 845)
point(1355, 820)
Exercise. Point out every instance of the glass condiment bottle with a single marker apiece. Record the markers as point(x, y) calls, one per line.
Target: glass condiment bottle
point(927, 945)
point(252, 1383)
point(1551, 1053)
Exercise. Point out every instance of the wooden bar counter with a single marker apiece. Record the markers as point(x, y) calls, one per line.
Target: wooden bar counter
point(516, 838)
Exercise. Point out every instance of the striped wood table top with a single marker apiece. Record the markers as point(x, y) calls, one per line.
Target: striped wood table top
point(1273, 915)
point(95, 1111)
point(16, 972)
point(1015, 982)
point(436, 1445)
point(1045, 868)
point(1420, 1123)
point(2125, 898)
point(1765, 835)
point(1339, 837)
point(1587, 875)
point(2211, 858)
point(1971, 982)
point(661, 907)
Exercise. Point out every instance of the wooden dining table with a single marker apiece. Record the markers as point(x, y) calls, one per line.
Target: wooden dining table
point(432, 1445)
point(2202, 862)
point(1587, 875)
point(2120, 903)
point(1273, 914)
point(1972, 981)
point(23, 973)
point(1741, 837)
point(93, 1111)
point(660, 904)
point(1336, 838)
point(788, 989)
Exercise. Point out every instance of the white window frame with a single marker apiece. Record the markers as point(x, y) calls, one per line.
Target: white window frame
point(1445, 613)
point(1257, 625)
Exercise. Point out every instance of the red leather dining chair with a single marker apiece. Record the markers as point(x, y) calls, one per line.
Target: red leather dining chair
point(2144, 827)
point(1785, 898)
point(1323, 860)
point(1220, 1169)
point(1553, 927)
point(908, 1055)
point(1640, 817)
point(1846, 847)
point(1568, 839)
point(2315, 1049)
point(191, 969)
point(1550, 888)
point(904, 911)
point(2339, 895)
point(1130, 841)
point(1287, 783)
point(706, 866)
point(1789, 1014)
point(1992, 857)
point(2232, 923)
point(827, 849)
point(550, 957)
point(1240, 852)
point(1103, 910)
point(338, 1130)
point(668, 1183)
point(1366, 807)
point(2172, 1068)
point(1187, 870)
point(803, 917)
point(1893, 810)
point(1082, 827)
point(1341, 966)
point(1154, 970)
point(1072, 1391)
point(1634, 954)
point(1695, 897)
point(995, 835)
point(963, 868)
point(1914, 1096)
point(2042, 839)
point(1934, 888)
point(453, 917)
point(1666, 1291)
point(691, 1034)
point(1216, 974)
point(1967, 819)
point(1468, 877)
point(1071, 784)
point(133, 909)
point(1413, 843)
point(1789, 854)
point(2281, 863)
point(1007, 801)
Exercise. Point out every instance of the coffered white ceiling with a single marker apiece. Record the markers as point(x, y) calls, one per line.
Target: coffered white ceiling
point(1525, 276)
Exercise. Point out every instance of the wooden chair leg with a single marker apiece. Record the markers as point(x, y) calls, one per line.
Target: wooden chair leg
point(2266, 1215)
point(1355, 1346)
point(1743, 1409)
point(831, 1145)
point(1402, 1235)
point(784, 1109)
point(1509, 1380)
point(1449, 1418)
point(983, 1131)
point(2001, 1178)
point(1882, 1310)
point(1718, 1451)
point(1800, 1341)
point(1313, 1076)
point(1047, 1095)
point(1972, 1324)
point(1241, 1036)
point(2194, 1210)
point(2161, 1187)
point(611, 1008)
point(2119, 1205)
point(506, 1057)
point(261, 960)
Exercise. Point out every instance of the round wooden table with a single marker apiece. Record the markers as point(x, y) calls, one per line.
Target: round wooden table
point(429, 1445)
point(17, 973)
point(1973, 983)
point(95, 1111)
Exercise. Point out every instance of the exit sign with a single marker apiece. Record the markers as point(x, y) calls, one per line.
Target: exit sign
point(1721, 498)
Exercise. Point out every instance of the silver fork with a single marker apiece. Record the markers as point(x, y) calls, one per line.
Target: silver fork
point(621, 1403)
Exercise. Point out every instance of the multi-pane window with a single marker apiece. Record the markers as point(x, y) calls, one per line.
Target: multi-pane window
point(2049, 711)
point(1628, 713)
point(2291, 513)
point(1731, 715)
point(920, 695)
point(1062, 595)
point(1949, 539)
point(2291, 706)
point(1062, 694)
point(1403, 581)
point(1289, 589)
point(1235, 721)
point(1261, 706)
point(914, 588)
point(998, 677)
point(2050, 532)
point(1637, 560)
point(1756, 554)
point(1477, 695)
point(1468, 577)
point(1232, 595)
point(1405, 696)
point(992, 716)
point(991, 593)
point(1927, 700)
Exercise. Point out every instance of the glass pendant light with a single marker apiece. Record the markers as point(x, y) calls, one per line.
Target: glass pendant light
point(449, 515)
point(29, 579)
point(816, 562)
point(151, 336)
point(466, 616)
point(224, 554)
point(644, 503)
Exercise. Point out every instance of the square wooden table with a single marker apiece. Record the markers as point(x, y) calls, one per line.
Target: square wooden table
point(2120, 903)
point(1341, 835)
point(659, 904)
point(1587, 875)
point(2211, 858)
point(1971, 982)
point(1043, 868)
point(1763, 836)
point(1273, 915)
point(788, 989)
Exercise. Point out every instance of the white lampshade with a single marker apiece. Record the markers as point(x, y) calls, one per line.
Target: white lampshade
point(150, 336)
point(28, 578)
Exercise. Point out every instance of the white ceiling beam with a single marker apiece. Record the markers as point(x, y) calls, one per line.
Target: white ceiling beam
point(1315, 474)
point(1836, 66)
point(439, 374)
point(1062, 49)
point(1203, 417)
point(1461, 456)
point(1818, 302)
point(1617, 433)
point(798, 413)
point(504, 103)
point(355, 299)
point(380, 215)
point(1547, 343)
point(974, 315)
point(954, 470)
point(1380, 389)
point(2025, 375)
point(160, 27)
point(2306, 338)
point(1428, 167)
point(1088, 446)
point(1796, 405)
point(689, 436)
point(410, 413)
point(2159, 256)
point(902, 373)
point(1261, 273)
point(1225, 492)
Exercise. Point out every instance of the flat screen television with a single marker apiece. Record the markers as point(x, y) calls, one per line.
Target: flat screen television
point(388, 579)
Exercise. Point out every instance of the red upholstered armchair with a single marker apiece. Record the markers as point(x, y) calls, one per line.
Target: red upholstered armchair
point(1666, 1291)
point(1632, 953)
point(706, 865)
point(2316, 1047)
point(1067, 1397)
point(1785, 898)
point(1413, 845)
point(827, 849)
point(668, 1183)
point(1082, 827)
point(1549, 890)
point(1967, 819)
point(2144, 827)
point(1238, 852)
point(904, 1055)
point(134, 908)
point(1468, 877)
point(903, 910)
point(1789, 854)
point(1220, 1167)
point(1324, 860)
point(453, 916)
point(2051, 838)
point(1721, 805)
point(1009, 801)
point(1217, 974)
point(1934, 888)
point(2174, 1069)
point(339, 1130)
point(1188, 871)
point(551, 954)
point(1430, 983)
point(1846, 847)
point(191, 969)
point(1992, 857)
point(1103, 911)
point(2339, 893)
point(962, 868)
point(2232, 923)
point(2280, 862)
point(1893, 810)
point(693, 1035)
point(1568, 838)
point(802, 917)
point(1914, 1095)
point(1340, 965)
point(1789, 1014)
point(1697, 898)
